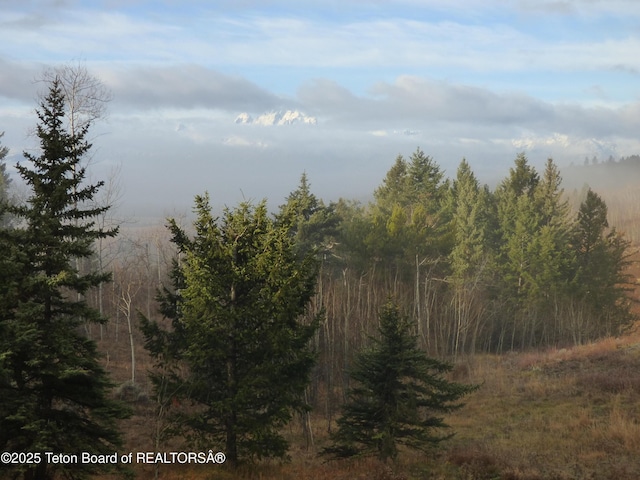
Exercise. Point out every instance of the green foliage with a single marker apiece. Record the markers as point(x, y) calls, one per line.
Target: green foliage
point(312, 224)
point(406, 219)
point(245, 346)
point(534, 256)
point(166, 344)
point(54, 392)
point(471, 261)
point(5, 181)
point(470, 214)
point(399, 397)
point(601, 261)
point(508, 269)
point(561, 279)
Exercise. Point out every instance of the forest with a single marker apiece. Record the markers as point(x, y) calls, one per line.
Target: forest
point(225, 329)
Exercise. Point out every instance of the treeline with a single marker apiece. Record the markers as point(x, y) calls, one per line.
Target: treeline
point(477, 270)
point(631, 160)
point(604, 174)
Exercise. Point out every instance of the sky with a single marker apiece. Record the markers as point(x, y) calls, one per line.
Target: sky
point(481, 80)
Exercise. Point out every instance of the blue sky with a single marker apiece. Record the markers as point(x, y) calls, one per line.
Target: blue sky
point(482, 80)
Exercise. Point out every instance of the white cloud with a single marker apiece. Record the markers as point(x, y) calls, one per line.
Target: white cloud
point(185, 86)
point(531, 143)
point(379, 133)
point(212, 37)
point(590, 8)
point(238, 141)
point(458, 78)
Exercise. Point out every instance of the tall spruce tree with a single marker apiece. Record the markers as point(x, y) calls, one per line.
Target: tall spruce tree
point(54, 392)
point(394, 186)
point(399, 397)
point(551, 258)
point(5, 180)
point(408, 206)
point(554, 256)
point(519, 222)
point(468, 204)
point(312, 224)
point(470, 257)
point(246, 348)
point(601, 282)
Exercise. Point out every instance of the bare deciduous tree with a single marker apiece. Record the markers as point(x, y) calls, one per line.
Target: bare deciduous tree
point(86, 95)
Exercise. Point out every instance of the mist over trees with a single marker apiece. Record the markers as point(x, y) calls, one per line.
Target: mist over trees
point(254, 318)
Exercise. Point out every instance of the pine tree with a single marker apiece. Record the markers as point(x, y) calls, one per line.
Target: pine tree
point(313, 224)
point(469, 211)
point(406, 222)
point(166, 344)
point(54, 392)
point(425, 181)
point(394, 186)
point(246, 348)
point(602, 258)
point(519, 221)
point(513, 196)
point(5, 181)
point(551, 256)
point(470, 256)
point(399, 397)
point(408, 204)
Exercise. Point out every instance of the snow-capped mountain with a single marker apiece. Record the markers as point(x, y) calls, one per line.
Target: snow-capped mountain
point(289, 117)
point(244, 118)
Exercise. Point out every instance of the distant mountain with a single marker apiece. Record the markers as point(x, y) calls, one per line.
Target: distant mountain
point(289, 117)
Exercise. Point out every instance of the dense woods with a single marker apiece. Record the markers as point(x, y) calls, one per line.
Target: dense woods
point(254, 318)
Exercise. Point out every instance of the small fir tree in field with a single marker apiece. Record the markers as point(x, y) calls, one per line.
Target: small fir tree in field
point(53, 391)
point(400, 396)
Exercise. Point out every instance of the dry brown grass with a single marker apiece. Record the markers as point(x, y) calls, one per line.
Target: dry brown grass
point(557, 414)
point(566, 414)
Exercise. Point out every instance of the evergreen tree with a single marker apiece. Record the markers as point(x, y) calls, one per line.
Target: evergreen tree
point(353, 232)
point(549, 195)
point(407, 225)
point(394, 186)
point(601, 281)
point(399, 396)
point(514, 196)
point(469, 214)
point(54, 392)
point(313, 225)
point(519, 218)
point(470, 257)
point(246, 348)
point(166, 344)
point(552, 258)
point(5, 180)
point(385, 240)
point(425, 181)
